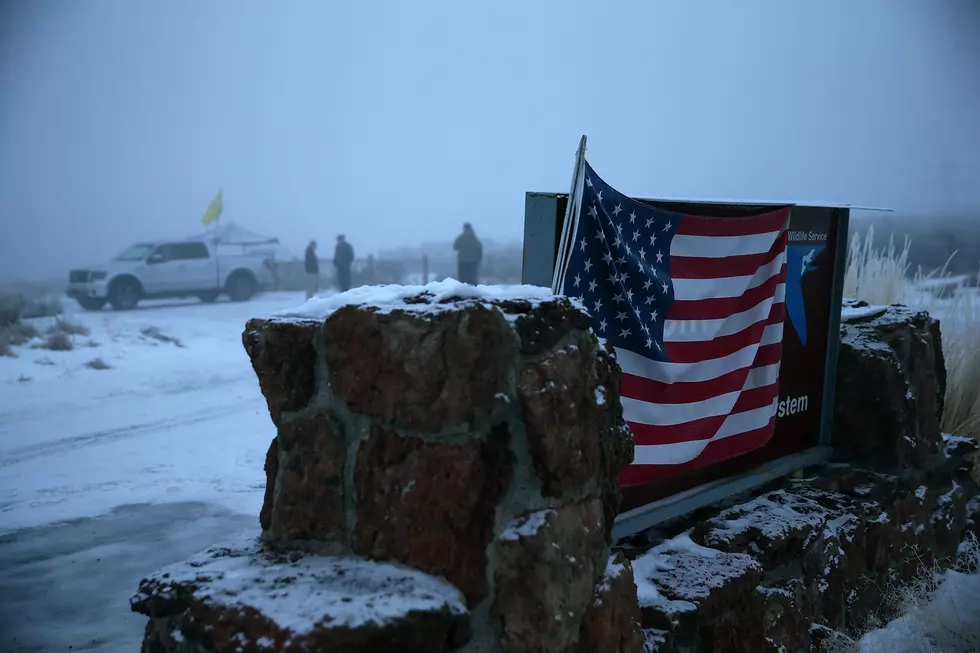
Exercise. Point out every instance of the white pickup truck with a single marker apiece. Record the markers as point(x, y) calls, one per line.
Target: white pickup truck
point(181, 268)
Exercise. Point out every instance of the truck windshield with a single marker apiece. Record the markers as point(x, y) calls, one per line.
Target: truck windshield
point(135, 253)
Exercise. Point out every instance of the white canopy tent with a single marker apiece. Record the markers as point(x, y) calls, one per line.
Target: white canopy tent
point(244, 241)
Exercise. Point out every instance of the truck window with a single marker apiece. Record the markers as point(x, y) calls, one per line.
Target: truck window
point(188, 251)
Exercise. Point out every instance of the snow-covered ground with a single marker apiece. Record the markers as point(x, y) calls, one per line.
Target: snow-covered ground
point(166, 423)
point(108, 474)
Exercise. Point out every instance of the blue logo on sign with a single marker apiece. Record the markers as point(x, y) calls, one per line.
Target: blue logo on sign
point(799, 261)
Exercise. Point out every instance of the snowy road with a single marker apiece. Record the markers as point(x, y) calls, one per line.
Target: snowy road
point(136, 466)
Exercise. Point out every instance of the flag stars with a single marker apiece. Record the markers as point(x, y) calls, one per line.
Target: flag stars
point(618, 298)
point(578, 281)
point(632, 217)
point(647, 284)
point(622, 316)
point(592, 285)
point(583, 244)
point(649, 222)
point(665, 287)
point(643, 254)
point(651, 299)
point(660, 257)
point(607, 257)
point(588, 264)
point(617, 242)
point(653, 316)
point(600, 236)
point(667, 227)
point(599, 195)
point(602, 325)
point(618, 209)
point(613, 277)
point(625, 333)
point(649, 343)
point(598, 305)
point(588, 182)
point(653, 239)
point(629, 296)
point(636, 236)
point(593, 212)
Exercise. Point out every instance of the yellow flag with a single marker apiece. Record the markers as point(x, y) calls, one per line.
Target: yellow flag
point(214, 210)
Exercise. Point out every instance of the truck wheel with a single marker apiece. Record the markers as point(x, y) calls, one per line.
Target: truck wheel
point(92, 303)
point(241, 287)
point(124, 295)
point(208, 297)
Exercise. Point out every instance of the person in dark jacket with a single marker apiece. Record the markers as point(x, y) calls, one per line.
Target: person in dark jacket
point(312, 266)
point(469, 252)
point(343, 257)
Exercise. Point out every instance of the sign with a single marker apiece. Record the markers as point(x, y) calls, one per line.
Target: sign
point(816, 249)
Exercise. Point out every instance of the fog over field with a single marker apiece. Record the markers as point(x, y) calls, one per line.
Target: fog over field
point(120, 121)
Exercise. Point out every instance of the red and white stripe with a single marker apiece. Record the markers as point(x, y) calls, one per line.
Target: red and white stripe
point(716, 398)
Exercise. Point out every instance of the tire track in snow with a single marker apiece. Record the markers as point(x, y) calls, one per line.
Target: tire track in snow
point(23, 454)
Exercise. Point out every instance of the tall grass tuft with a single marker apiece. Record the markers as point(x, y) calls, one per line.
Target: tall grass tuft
point(876, 276)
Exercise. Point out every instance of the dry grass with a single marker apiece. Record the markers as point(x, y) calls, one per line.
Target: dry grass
point(154, 333)
point(46, 306)
point(68, 328)
point(98, 364)
point(881, 277)
point(876, 276)
point(56, 341)
point(939, 612)
point(16, 334)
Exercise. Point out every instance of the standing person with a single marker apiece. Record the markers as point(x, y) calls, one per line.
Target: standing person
point(343, 257)
point(469, 252)
point(312, 265)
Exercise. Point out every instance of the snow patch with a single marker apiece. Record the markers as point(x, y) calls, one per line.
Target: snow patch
point(298, 596)
point(653, 639)
point(526, 526)
point(600, 395)
point(854, 313)
point(437, 297)
point(772, 516)
point(677, 574)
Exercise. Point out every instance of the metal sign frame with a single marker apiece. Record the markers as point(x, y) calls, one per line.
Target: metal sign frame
point(542, 231)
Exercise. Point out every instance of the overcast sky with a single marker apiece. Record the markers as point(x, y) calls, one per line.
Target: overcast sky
point(394, 121)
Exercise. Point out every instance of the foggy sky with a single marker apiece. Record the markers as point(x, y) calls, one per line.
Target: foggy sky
point(395, 121)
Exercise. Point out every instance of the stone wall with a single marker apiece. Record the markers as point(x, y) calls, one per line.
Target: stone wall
point(815, 556)
point(443, 478)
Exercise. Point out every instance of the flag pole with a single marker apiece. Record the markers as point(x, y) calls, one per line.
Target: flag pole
point(571, 215)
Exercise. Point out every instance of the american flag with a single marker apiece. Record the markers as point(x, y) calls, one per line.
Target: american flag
point(693, 306)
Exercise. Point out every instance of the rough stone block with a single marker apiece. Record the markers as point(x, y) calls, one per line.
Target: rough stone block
point(242, 597)
point(284, 360)
point(685, 588)
point(611, 623)
point(425, 372)
point(548, 564)
point(271, 471)
point(774, 526)
point(431, 504)
point(308, 496)
point(891, 384)
point(563, 419)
